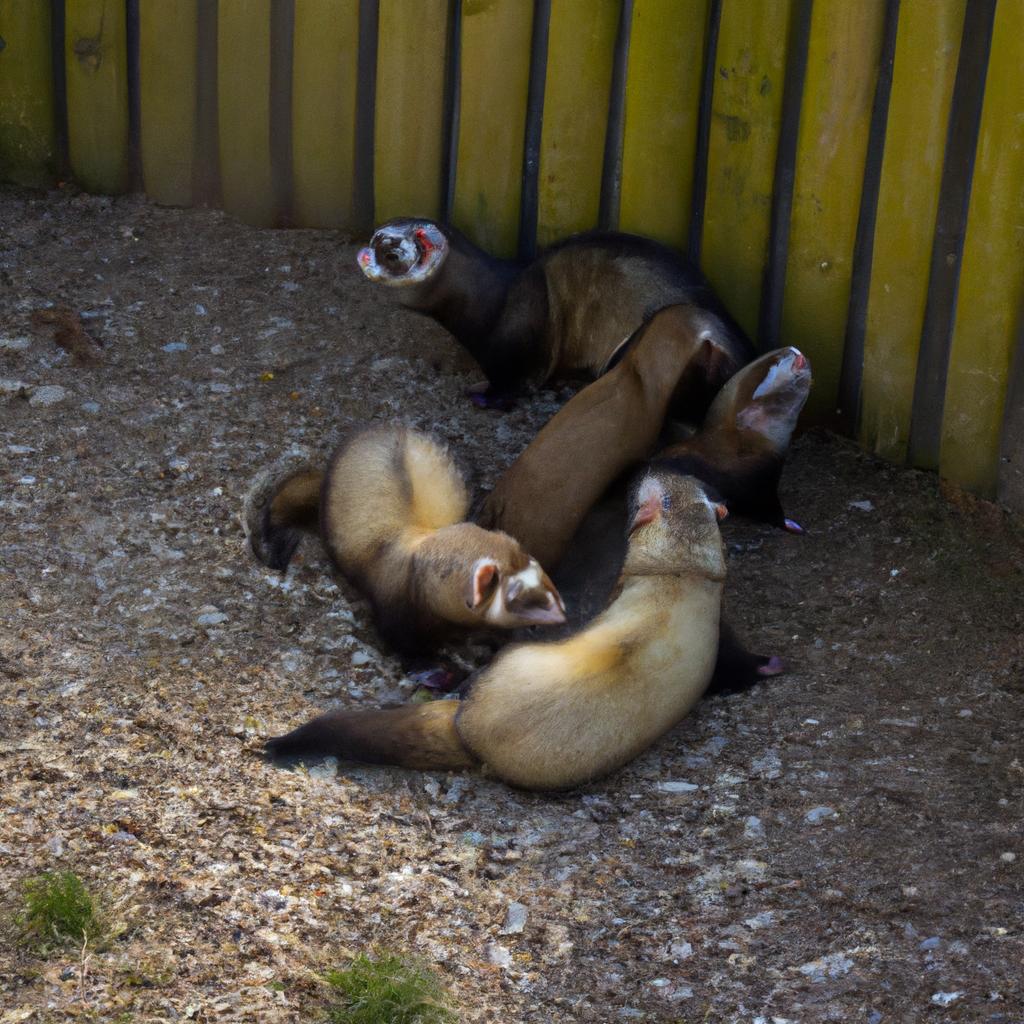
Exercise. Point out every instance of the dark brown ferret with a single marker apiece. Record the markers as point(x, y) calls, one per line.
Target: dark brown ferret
point(606, 428)
point(565, 313)
point(555, 715)
point(390, 509)
point(741, 447)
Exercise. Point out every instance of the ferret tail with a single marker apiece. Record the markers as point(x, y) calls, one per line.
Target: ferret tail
point(384, 483)
point(282, 504)
point(420, 736)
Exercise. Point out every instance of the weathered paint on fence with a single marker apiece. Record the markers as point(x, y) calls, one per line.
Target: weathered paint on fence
point(991, 294)
point(842, 64)
point(927, 48)
point(168, 55)
point(409, 145)
point(27, 130)
point(746, 109)
point(662, 100)
point(324, 111)
point(494, 76)
point(96, 64)
point(751, 132)
point(243, 109)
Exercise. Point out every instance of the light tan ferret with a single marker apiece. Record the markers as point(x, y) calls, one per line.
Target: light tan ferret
point(390, 509)
point(555, 715)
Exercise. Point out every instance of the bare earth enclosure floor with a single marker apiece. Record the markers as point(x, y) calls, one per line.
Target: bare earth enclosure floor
point(843, 843)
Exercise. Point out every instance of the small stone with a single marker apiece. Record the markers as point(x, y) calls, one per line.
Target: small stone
point(822, 813)
point(498, 955)
point(360, 658)
point(178, 465)
point(763, 920)
point(473, 838)
point(216, 350)
point(515, 919)
point(945, 998)
point(933, 943)
point(200, 309)
point(55, 844)
point(753, 828)
point(676, 786)
point(211, 618)
point(835, 965)
point(175, 346)
point(220, 389)
point(92, 407)
point(27, 480)
point(12, 344)
point(48, 394)
point(862, 506)
point(14, 387)
point(681, 950)
point(20, 449)
point(1007, 857)
point(324, 770)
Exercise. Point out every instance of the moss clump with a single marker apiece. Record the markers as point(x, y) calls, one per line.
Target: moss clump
point(57, 909)
point(388, 990)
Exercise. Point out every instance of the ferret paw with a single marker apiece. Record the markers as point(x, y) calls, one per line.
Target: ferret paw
point(773, 666)
point(491, 399)
point(436, 680)
point(792, 526)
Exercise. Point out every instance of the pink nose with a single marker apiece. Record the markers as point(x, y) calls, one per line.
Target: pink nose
point(799, 361)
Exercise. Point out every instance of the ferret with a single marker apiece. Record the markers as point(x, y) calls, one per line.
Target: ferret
point(555, 715)
point(605, 429)
point(390, 509)
point(568, 312)
point(741, 446)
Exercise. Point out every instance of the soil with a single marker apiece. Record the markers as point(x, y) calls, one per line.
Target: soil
point(843, 843)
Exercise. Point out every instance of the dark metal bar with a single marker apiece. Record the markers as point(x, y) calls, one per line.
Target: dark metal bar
point(206, 162)
point(611, 172)
point(60, 88)
point(773, 288)
point(852, 373)
point(131, 16)
point(700, 160)
point(1010, 488)
point(282, 41)
point(534, 123)
point(950, 228)
point(366, 101)
point(452, 94)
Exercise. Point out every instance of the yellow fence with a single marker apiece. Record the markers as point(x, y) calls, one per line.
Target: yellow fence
point(849, 173)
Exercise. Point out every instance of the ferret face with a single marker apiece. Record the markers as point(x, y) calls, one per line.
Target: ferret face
point(507, 597)
point(770, 393)
point(674, 527)
point(403, 253)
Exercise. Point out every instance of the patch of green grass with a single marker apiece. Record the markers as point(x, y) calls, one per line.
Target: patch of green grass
point(388, 990)
point(57, 909)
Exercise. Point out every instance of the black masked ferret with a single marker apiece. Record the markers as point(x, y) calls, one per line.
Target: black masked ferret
point(567, 312)
point(555, 715)
point(390, 509)
point(741, 446)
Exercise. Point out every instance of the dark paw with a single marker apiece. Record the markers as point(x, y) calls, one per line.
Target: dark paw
point(436, 680)
point(792, 526)
point(491, 399)
point(773, 666)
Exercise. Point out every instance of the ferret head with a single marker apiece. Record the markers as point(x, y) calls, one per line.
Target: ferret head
point(404, 252)
point(512, 592)
point(673, 528)
point(766, 397)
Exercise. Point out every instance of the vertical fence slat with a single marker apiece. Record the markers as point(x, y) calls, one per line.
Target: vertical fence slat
point(838, 91)
point(991, 289)
point(1010, 485)
point(243, 109)
point(95, 58)
point(495, 76)
point(324, 111)
point(744, 138)
point(409, 135)
point(663, 86)
point(28, 141)
point(168, 37)
point(581, 48)
point(927, 49)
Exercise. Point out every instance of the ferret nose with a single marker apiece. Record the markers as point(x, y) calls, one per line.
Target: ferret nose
point(799, 359)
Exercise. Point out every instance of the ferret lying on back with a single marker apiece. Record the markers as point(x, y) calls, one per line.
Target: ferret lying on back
point(555, 715)
point(390, 510)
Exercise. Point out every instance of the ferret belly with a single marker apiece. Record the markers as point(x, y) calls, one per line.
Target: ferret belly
point(550, 716)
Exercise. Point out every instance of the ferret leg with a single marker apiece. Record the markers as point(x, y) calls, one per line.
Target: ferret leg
point(737, 668)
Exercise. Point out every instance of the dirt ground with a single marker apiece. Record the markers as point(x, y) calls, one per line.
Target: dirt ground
point(841, 844)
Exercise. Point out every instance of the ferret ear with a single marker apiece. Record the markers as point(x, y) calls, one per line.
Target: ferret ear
point(483, 582)
point(650, 499)
point(429, 236)
point(718, 365)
